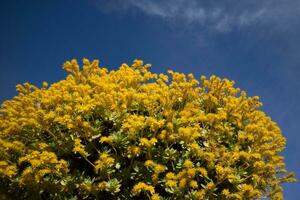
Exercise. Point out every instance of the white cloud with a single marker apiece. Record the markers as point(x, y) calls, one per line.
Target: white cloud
point(222, 16)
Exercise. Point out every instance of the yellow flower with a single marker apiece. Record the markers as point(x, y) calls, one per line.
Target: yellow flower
point(141, 186)
point(155, 178)
point(43, 145)
point(171, 183)
point(170, 175)
point(202, 170)
point(182, 183)
point(191, 172)
point(162, 135)
point(155, 196)
point(104, 162)
point(159, 168)
point(149, 163)
point(193, 184)
point(210, 186)
point(134, 123)
point(106, 139)
point(42, 163)
point(226, 192)
point(134, 151)
point(7, 170)
point(101, 186)
point(170, 126)
point(200, 194)
point(145, 142)
point(79, 148)
point(187, 164)
point(153, 141)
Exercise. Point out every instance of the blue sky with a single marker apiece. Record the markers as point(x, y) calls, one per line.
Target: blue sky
point(254, 42)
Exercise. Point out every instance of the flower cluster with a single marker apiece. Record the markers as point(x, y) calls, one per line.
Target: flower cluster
point(104, 162)
point(133, 134)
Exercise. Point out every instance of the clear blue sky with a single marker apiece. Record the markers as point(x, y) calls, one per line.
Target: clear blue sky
point(254, 42)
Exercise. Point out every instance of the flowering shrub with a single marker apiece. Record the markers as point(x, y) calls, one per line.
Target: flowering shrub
point(133, 134)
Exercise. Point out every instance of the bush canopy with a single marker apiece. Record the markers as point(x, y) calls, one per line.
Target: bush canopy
point(133, 134)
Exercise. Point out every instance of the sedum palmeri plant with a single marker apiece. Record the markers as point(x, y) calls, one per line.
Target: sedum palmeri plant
point(133, 134)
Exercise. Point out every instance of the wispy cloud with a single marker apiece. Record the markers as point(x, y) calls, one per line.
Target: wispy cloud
point(222, 16)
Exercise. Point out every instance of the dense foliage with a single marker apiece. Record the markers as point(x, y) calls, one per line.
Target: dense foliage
point(133, 134)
